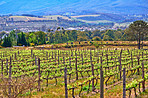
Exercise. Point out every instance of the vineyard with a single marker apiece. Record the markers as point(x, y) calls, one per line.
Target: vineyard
point(44, 73)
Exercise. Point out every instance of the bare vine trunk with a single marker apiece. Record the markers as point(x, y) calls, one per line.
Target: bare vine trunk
point(139, 41)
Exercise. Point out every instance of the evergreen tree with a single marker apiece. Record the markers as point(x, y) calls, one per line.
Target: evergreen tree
point(13, 38)
point(7, 42)
point(21, 39)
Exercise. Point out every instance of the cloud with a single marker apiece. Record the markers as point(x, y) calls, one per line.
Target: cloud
point(2, 2)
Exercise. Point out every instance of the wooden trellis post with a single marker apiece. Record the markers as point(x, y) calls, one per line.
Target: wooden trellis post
point(7, 66)
point(70, 63)
point(18, 52)
point(101, 81)
point(9, 81)
point(2, 69)
point(46, 53)
point(52, 54)
point(58, 58)
point(64, 61)
point(31, 52)
point(132, 59)
point(124, 84)
point(35, 60)
point(39, 75)
point(138, 64)
point(76, 68)
point(55, 57)
point(92, 69)
point(120, 67)
point(138, 58)
point(143, 83)
point(65, 80)
point(107, 59)
point(82, 58)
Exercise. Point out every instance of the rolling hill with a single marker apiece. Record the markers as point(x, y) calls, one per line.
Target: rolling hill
point(73, 7)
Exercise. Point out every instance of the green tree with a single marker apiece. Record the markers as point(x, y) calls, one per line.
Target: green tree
point(96, 33)
point(62, 28)
point(124, 37)
point(7, 42)
point(110, 33)
point(82, 36)
point(74, 34)
point(31, 38)
point(13, 37)
point(1, 41)
point(118, 35)
point(58, 28)
point(137, 31)
point(40, 35)
point(58, 37)
point(21, 39)
point(96, 38)
point(2, 34)
point(51, 38)
point(107, 38)
point(49, 30)
point(89, 34)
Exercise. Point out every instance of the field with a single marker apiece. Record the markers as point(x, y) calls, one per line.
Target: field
point(43, 72)
point(26, 18)
point(71, 18)
point(94, 44)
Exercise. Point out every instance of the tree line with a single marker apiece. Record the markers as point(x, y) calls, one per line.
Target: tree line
point(137, 30)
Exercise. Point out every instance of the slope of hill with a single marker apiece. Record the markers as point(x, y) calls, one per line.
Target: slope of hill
point(45, 7)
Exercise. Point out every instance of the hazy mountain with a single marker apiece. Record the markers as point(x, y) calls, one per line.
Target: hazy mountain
point(45, 7)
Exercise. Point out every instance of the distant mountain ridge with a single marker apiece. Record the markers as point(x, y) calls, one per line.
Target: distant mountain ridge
point(46, 7)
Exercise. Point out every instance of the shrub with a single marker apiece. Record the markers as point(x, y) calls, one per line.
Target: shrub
point(32, 44)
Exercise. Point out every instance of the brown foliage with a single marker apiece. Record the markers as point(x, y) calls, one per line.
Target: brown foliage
point(17, 86)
